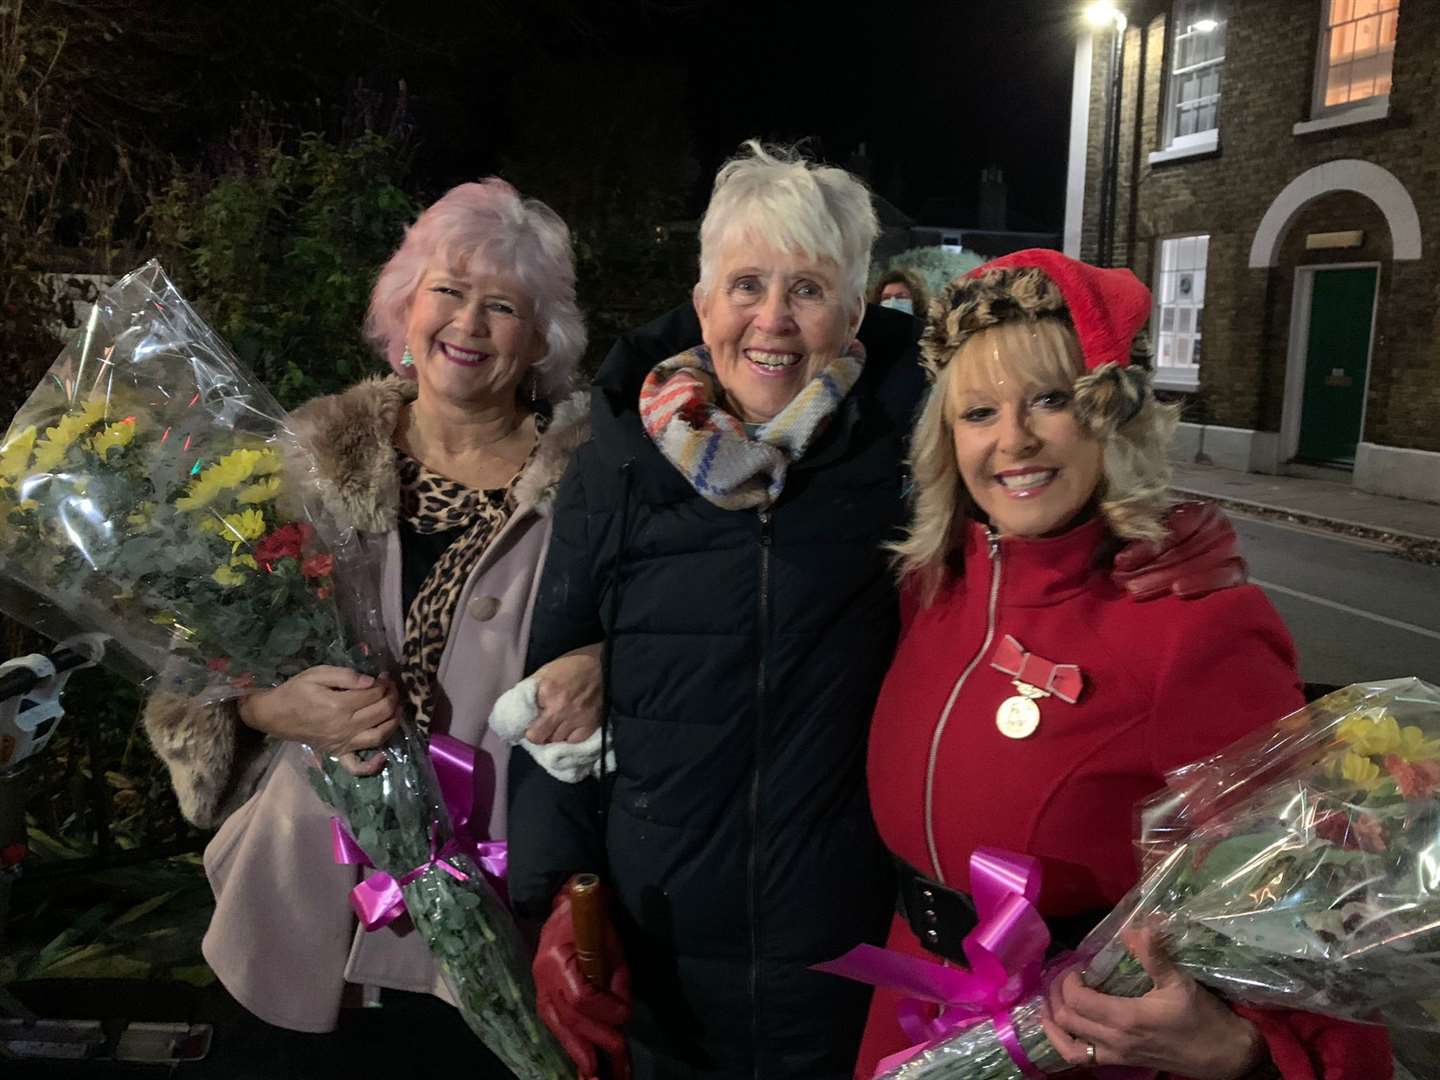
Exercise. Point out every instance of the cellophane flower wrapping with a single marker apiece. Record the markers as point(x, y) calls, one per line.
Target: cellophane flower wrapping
point(151, 489)
point(1297, 868)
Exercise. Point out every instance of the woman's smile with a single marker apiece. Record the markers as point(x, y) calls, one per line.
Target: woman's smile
point(458, 354)
point(1026, 483)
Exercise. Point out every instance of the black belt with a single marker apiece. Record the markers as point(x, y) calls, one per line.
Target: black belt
point(941, 917)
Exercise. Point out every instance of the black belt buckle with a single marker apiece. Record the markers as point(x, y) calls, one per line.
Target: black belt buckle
point(941, 917)
point(938, 915)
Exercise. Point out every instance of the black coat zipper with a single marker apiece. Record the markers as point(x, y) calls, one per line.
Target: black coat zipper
point(762, 634)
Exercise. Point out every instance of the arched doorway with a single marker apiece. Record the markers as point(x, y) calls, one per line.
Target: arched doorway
point(1333, 232)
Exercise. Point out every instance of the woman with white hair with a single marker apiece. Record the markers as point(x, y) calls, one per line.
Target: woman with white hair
point(448, 467)
point(722, 532)
point(1034, 699)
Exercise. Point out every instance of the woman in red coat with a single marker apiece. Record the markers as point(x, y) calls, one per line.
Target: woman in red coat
point(1032, 700)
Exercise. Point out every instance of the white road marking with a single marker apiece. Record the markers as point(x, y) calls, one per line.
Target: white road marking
point(1336, 605)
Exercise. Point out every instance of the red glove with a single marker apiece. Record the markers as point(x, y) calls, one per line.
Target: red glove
point(583, 1017)
point(1199, 555)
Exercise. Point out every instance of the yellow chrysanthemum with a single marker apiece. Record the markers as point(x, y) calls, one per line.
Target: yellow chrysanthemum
point(1359, 769)
point(1371, 731)
point(260, 491)
point(15, 455)
point(57, 440)
point(246, 561)
point(140, 516)
point(119, 434)
point(267, 463)
point(1415, 747)
point(246, 525)
point(231, 471)
point(227, 576)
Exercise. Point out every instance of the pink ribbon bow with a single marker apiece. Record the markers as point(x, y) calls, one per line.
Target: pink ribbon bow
point(1006, 951)
point(1063, 680)
point(378, 900)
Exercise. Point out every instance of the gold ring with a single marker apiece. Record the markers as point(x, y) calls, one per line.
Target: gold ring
point(1090, 1054)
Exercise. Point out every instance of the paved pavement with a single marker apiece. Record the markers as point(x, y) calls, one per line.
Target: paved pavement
point(1327, 504)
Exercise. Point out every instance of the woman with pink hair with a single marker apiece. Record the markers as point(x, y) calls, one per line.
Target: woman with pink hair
point(447, 468)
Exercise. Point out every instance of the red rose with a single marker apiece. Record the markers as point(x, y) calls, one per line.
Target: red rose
point(322, 593)
point(13, 855)
point(282, 543)
point(1362, 831)
point(220, 663)
point(318, 566)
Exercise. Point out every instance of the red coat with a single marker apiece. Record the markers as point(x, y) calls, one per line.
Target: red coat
point(1165, 682)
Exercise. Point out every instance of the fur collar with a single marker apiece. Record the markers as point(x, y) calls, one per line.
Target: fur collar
point(350, 435)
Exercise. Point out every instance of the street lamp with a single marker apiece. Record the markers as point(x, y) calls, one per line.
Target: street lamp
point(1103, 14)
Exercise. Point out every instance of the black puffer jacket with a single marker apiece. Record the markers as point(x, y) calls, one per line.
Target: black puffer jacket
point(748, 649)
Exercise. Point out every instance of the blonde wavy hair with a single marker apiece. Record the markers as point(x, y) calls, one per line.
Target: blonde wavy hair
point(1113, 404)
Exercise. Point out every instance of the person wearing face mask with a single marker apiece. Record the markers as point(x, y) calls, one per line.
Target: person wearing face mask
point(901, 290)
point(722, 532)
point(448, 466)
point(1034, 699)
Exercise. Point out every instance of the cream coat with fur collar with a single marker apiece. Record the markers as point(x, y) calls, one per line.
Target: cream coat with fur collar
point(283, 939)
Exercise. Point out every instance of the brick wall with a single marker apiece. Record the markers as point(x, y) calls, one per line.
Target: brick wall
point(1267, 85)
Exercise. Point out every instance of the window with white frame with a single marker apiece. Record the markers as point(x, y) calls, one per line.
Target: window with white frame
point(1197, 57)
point(1179, 301)
point(1357, 52)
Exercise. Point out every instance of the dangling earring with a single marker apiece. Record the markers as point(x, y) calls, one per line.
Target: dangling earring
point(534, 387)
point(406, 360)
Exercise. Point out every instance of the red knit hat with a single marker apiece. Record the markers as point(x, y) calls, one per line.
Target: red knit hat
point(1105, 306)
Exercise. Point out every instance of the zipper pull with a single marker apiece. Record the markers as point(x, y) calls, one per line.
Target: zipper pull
point(994, 539)
point(765, 528)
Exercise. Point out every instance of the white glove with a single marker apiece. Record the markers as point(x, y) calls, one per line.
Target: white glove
point(514, 712)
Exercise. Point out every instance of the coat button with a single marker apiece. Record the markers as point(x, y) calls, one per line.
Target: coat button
point(932, 936)
point(927, 895)
point(484, 607)
point(931, 917)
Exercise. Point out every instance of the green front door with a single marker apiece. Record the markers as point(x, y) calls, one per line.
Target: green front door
point(1336, 361)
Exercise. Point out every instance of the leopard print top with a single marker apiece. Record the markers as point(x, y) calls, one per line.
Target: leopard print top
point(431, 503)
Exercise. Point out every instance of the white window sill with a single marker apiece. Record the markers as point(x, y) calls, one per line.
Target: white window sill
point(1180, 153)
point(1186, 380)
point(1362, 114)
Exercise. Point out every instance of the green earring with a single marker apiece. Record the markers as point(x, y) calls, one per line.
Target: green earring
point(406, 360)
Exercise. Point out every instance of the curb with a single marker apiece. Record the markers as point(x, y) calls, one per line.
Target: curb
point(1423, 549)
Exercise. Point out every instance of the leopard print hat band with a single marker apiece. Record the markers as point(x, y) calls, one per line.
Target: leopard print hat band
point(1105, 307)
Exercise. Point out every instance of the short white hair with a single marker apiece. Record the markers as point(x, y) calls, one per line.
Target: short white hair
point(775, 195)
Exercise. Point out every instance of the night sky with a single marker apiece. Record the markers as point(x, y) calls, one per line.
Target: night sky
point(935, 91)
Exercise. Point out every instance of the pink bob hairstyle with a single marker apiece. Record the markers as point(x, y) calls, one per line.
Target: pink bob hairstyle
point(487, 227)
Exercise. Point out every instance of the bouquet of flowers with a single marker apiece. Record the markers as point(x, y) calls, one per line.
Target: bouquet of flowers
point(1297, 868)
point(151, 490)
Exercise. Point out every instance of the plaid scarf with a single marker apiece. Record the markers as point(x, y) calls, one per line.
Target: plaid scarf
point(725, 465)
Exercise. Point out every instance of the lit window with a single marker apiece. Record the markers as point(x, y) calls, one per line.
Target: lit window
point(1357, 51)
point(1197, 57)
point(1179, 301)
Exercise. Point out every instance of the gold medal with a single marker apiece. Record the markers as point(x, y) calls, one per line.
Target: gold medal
point(1018, 717)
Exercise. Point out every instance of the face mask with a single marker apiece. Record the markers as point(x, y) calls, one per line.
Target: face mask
point(899, 303)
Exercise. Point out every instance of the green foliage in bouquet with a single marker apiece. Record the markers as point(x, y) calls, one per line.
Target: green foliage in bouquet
point(464, 922)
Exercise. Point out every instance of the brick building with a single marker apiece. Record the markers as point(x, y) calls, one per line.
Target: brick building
point(1271, 168)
